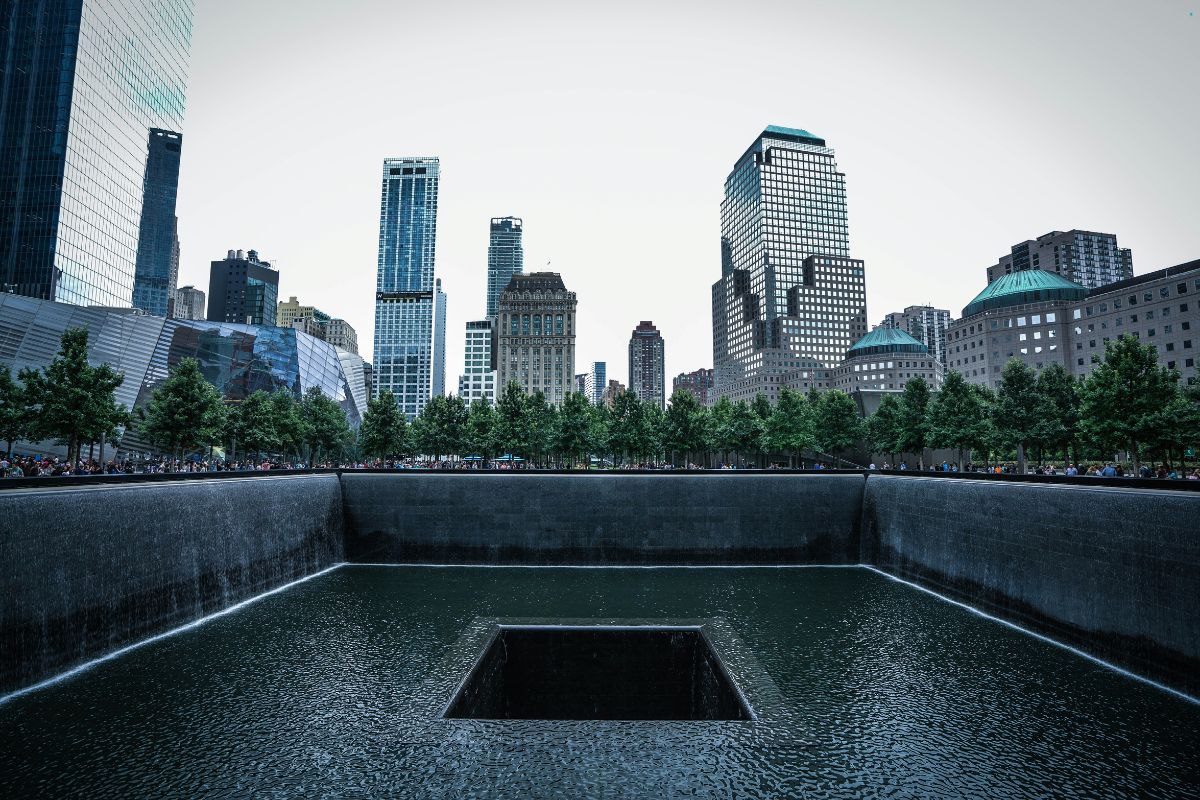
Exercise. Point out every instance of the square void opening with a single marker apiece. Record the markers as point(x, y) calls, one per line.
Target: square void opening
point(598, 672)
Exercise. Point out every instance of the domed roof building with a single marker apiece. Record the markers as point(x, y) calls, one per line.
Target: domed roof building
point(1024, 288)
point(881, 362)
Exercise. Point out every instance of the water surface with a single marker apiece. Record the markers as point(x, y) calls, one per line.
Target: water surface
point(863, 687)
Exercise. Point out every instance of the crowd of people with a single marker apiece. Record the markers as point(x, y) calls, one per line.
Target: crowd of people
point(24, 466)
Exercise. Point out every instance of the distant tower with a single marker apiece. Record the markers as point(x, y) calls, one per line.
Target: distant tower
point(535, 335)
point(157, 270)
point(646, 377)
point(243, 289)
point(506, 257)
point(410, 347)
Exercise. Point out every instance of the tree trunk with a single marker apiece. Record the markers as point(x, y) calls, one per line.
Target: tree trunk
point(1021, 458)
point(1137, 463)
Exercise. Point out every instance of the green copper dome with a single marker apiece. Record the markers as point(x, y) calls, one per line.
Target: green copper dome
point(1026, 286)
point(886, 340)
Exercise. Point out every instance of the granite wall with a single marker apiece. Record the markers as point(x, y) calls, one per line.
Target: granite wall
point(603, 519)
point(85, 571)
point(1115, 572)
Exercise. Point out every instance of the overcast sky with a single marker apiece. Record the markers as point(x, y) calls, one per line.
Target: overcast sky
point(609, 127)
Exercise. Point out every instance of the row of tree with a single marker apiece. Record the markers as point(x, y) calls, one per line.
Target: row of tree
point(1128, 403)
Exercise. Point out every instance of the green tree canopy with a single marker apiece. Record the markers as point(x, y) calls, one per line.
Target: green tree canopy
point(512, 422)
point(747, 430)
point(385, 432)
point(185, 413)
point(958, 418)
point(1122, 399)
point(73, 401)
point(481, 429)
point(790, 426)
point(1057, 426)
point(1017, 408)
point(15, 413)
point(573, 431)
point(252, 424)
point(913, 423)
point(883, 427)
point(441, 427)
point(325, 428)
point(686, 426)
point(289, 421)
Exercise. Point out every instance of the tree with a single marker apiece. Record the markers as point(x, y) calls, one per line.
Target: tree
point(14, 410)
point(883, 427)
point(686, 425)
point(512, 423)
point(539, 423)
point(252, 423)
point(1017, 411)
point(73, 401)
point(185, 413)
point(762, 407)
point(958, 417)
point(790, 428)
point(287, 417)
point(722, 433)
point(325, 428)
point(653, 431)
point(481, 429)
point(628, 434)
point(837, 425)
point(747, 430)
point(1057, 427)
point(384, 432)
point(572, 433)
point(1121, 400)
point(441, 428)
point(913, 422)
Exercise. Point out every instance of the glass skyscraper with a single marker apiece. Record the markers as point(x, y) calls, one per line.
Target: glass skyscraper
point(790, 298)
point(157, 272)
point(82, 84)
point(506, 257)
point(409, 306)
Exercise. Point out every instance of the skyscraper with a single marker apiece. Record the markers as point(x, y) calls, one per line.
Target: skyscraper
point(789, 298)
point(478, 381)
point(594, 381)
point(243, 289)
point(646, 377)
point(698, 383)
point(924, 323)
point(535, 335)
point(506, 257)
point(410, 321)
point(84, 82)
point(156, 274)
point(1088, 258)
point(189, 303)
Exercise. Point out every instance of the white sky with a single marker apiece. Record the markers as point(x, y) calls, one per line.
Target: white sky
point(609, 127)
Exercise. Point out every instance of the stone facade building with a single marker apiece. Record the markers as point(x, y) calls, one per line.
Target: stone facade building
point(535, 335)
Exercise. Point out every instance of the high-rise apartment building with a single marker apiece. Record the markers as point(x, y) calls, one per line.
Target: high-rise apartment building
point(243, 289)
point(409, 305)
point(646, 367)
point(611, 391)
point(189, 303)
point(699, 383)
point(535, 335)
point(478, 381)
point(790, 298)
point(506, 257)
point(594, 381)
point(156, 274)
point(926, 324)
point(1088, 258)
point(83, 84)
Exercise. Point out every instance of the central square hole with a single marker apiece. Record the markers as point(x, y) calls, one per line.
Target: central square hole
point(598, 672)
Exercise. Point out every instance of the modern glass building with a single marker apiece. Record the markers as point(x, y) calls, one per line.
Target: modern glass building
point(237, 359)
point(157, 272)
point(594, 381)
point(82, 84)
point(506, 257)
point(409, 338)
point(789, 296)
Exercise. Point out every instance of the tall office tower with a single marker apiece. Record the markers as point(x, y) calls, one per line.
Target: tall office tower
point(407, 328)
point(1085, 257)
point(646, 376)
point(82, 82)
point(478, 381)
point(581, 383)
point(789, 298)
point(157, 266)
point(241, 288)
point(594, 381)
point(698, 383)
point(535, 335)
point(439, 339)
point(926, 324)
point(506, 257)
point(189, 303)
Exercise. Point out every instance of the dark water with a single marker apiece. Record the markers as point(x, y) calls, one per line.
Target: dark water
point(863, 688)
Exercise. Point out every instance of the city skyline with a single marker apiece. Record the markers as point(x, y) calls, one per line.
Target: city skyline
point(959, 196)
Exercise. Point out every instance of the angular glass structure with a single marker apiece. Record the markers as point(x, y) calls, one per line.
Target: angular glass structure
point(506, 257)
point(409, 320)
point(157, 272)
point(83, 83)
point(237, 359)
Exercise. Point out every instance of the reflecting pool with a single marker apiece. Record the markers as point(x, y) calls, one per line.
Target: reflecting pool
point(860, 687)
